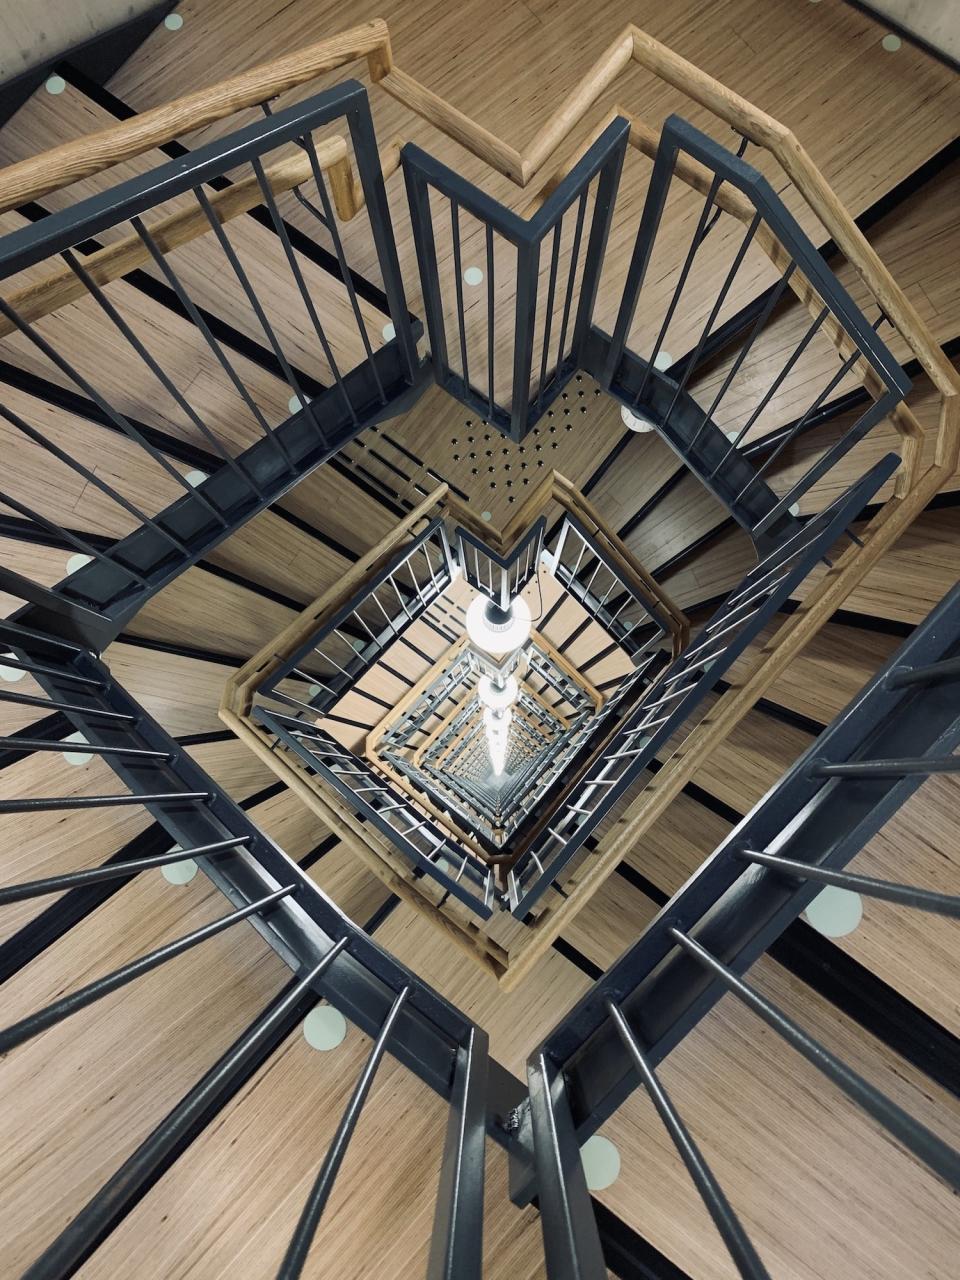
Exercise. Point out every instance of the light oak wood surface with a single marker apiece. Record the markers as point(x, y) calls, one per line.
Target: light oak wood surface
point(799, 1166)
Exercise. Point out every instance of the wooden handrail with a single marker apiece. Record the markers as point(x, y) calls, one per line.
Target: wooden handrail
point(176, 229)
point(29, 179)
point(35, 177)
point(123, 256)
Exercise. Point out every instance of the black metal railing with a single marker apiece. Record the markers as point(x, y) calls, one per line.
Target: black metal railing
point(331, 958)
point(688, 414)
point(501, 578)
point(349, 643)
point(683, 685)
point(902, 728)
point(551, 317)
point(337, 370)
point(427, 845)
point(587, 571)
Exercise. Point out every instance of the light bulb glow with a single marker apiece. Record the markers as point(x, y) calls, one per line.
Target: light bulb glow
point(496, 726)
point(498, 698)
point(496, 721)
point(495, 639)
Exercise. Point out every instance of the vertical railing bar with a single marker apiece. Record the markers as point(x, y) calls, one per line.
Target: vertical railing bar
point(738, 1243)
point(34, 1023)
point(571, 1242)
point(400, 599)
point(299, 1247)
point(32, 700)
point(490, 304)
point(548, 314)
point(334, 229)
point(255, 305)
point(904, 894)
point(115, 417)
point(572, 276)
point(215, 347)
point(528, 280)
point(111, 871)
point(301, 283)
point(802, 421)
point(458, 285)
point(924, 1144)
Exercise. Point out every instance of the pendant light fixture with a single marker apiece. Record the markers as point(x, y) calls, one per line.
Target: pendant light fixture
point(497, 697)
point(497, 630)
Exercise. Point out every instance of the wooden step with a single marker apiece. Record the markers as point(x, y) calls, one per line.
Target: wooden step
point(90, 1088)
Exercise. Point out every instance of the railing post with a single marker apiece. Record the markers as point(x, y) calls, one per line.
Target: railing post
point(571, 1242)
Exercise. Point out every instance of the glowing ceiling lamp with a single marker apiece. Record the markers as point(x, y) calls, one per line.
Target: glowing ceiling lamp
point(496, 726)
point(498, 697)
point(497, 630)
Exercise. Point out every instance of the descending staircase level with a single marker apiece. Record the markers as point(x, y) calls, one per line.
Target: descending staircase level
point(902, 728)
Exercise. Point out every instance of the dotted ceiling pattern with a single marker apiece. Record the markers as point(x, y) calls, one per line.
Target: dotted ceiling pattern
point(497, 464)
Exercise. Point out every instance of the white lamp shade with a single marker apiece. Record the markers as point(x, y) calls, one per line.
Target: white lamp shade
point(498, 699)
point(496, 722)
point(492, 639)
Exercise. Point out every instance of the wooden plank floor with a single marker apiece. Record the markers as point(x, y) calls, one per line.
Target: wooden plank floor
point(765, 1120)
point(71, 1112)
point(548, 51)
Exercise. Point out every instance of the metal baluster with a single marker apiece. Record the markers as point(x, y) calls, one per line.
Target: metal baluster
point(947, 669)
point(456, 1243)
point(726, 1221)
point(32, 700)
point(926, 1146)
point(490, 296)
point(458, 282)
point(571, 1242)
point(32, 1025)
point(299, 1247)
point(887, 768)
point(572, 276)
point(112, 871)
point(802, 421)
point(691, 363)
point(41, 744)
point(548, 314)
point(907, 895)
point(39, 804)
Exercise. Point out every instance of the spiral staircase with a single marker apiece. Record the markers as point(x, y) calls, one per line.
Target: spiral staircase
point(288, 413)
